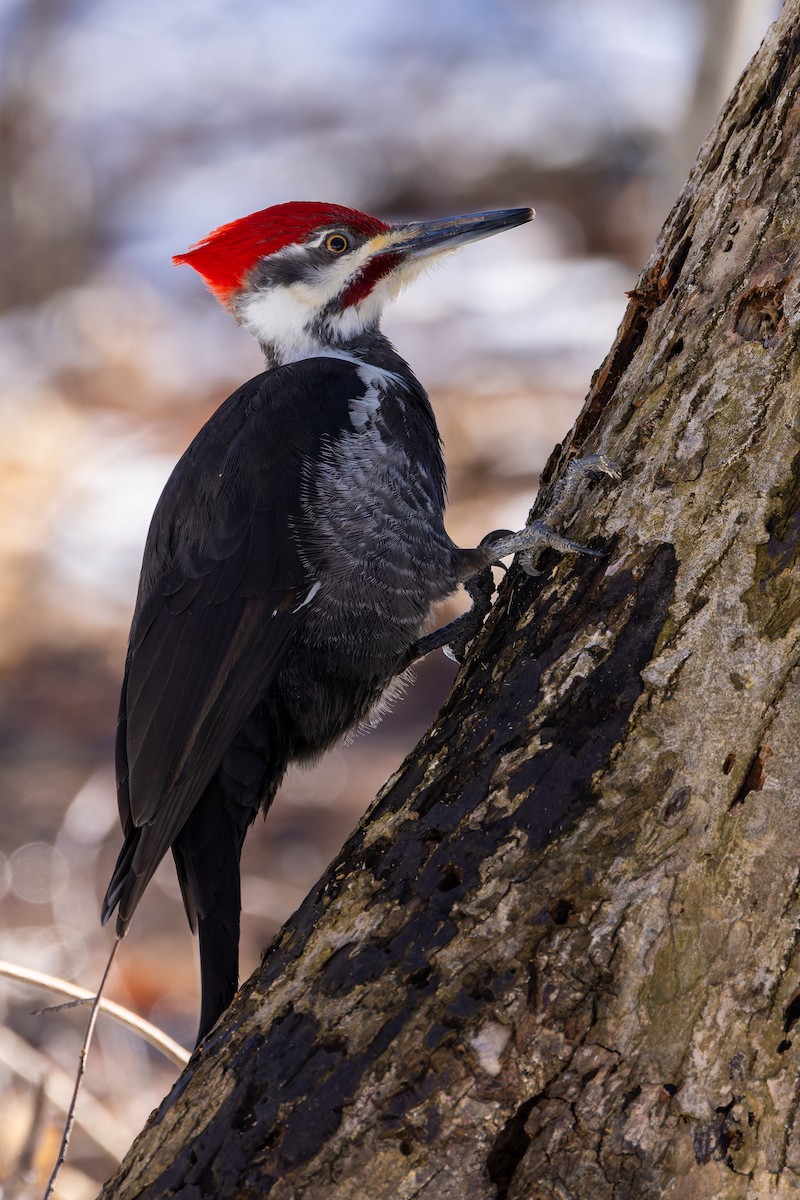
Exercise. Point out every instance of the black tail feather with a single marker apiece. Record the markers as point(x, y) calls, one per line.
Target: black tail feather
point(207, 853)
point(119, 879)
point(219, 960)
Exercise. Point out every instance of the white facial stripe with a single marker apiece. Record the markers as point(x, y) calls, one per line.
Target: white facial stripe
point(285, 319)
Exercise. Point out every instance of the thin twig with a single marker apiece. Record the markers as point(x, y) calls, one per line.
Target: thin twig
point(62, 987)
point(64, 1006)
point(87, 1041)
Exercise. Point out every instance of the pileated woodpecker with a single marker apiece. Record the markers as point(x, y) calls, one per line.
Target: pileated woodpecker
point(293, 558)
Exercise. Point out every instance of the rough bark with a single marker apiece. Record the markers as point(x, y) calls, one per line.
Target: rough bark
point(559, 957)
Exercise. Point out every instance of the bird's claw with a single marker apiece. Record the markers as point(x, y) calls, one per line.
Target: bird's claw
point(542, 533)
point(545, 538)
point(454, 639)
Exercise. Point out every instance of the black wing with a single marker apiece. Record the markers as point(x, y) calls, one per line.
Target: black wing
point(221, 581)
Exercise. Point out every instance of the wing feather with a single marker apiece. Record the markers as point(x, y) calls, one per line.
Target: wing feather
point(221, 582)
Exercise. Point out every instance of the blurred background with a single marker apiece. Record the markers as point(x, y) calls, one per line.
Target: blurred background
point(127, 132)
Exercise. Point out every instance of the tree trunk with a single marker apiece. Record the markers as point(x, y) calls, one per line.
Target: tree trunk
point(559, 957)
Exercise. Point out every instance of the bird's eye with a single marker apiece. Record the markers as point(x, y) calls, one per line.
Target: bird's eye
point(336, 243)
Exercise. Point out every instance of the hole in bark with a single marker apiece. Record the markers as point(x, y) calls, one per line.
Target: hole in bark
point(676, 804)
point(420, 977)
point(755, 777)
point(432, 836)
point(728, 765)
point(675, 349)
point(730, 1140)
point(451, 877)
point(758, 314)
point(561, 911)
point(783, 1046)
point(791, 1012)
point(670, 1088)
point(376, 852)
point(406, 1148)
point(508, 1149)
point(273, 1136)
point(243, 1119)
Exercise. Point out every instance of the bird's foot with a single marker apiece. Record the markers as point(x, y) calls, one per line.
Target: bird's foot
point(541, 534)
point(455, 637)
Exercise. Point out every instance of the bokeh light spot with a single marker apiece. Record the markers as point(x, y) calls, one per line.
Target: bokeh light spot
point(39, 873)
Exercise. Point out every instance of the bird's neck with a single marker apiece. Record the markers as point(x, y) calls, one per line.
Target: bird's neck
point(288, 327)
point(368, 346)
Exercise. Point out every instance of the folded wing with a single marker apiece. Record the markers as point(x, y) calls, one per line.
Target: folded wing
point(221, 579)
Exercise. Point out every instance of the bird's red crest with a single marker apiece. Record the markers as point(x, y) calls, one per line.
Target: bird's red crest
point(224, 257)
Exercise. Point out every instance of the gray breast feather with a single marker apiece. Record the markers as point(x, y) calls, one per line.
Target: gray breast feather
point(374, 534)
